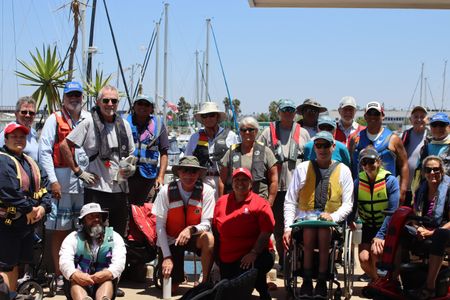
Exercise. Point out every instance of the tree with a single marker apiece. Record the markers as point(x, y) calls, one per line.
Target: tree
point(75, 8)
point(47, 76)
point(236, 106)
point(273, 111)
point(93, 88)
point(183, 109)
point(262, 117)
point(361, 121)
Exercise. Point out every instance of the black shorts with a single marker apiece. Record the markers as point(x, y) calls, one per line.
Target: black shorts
point(368, 233)
point(16, 247)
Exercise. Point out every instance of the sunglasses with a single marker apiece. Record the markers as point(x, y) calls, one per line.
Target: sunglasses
point(208, 115)
point(435, 170)
point(189, 170)
point(74, 94)
point(27, 112)
point(311, 110)
point(322, 145)
point(113, 100)
point(373, 113)
point(249, 129)
point(438, 124)
point(288, 109)
point(328, 128)
point(367, 161)
point(143, 103)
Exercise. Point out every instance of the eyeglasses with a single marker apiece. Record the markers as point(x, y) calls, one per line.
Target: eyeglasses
point(208, 115)
point(373, 113)
point(113, 100)
point(74, 94)
point(27, 112)
point(322, 145)
point(143, 103)
point(367, 161)
point(249, 129)
point(311, 110)
point(189, 170)
point(438, 124)
point(435, 170)
point(287, 109)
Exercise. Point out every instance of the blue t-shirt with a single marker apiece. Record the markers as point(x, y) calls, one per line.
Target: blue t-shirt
point(340, 153)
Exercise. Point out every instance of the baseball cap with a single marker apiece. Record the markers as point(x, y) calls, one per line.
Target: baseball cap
point(285, 103)
point(91, 208)
point(368, 153)
point(143, 98)
point(243, 171)
point(73, 86)
point(375, 105)
point(440, 117)
point(347, 101)
point(419, 107)
point(326, 120)
point(14, 126)
point(324, 135)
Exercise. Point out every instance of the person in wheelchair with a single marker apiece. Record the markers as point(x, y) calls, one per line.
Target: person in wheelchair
point(320, 185)
point(184, 209)
point(92, 258)
point(376, 191)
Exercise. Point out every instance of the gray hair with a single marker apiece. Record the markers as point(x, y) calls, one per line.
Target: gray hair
point(249, 121)
point(436, 158)
point(27, 100)
point(107, 87)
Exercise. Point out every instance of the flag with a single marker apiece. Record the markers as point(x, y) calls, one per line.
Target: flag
point(173, 107)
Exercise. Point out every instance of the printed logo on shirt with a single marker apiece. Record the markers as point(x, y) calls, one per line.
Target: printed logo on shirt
point(257, 152)
point(246, 211)
point(197, 211)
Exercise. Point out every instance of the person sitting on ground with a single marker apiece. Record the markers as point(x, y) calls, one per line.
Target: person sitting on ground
point(92, 258)
point(184, 209)
point(243, 223)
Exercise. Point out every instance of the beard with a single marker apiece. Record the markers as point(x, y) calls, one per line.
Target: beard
point(96, 231)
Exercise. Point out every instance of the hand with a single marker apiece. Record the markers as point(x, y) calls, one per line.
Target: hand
point(352, 226)
point(88, 178)
point(39, 213)
point(82, 279)
point(287, 239)
point(30, 216)
point(248, 260)
point(423, 233)
point(377, 246)
point(158, 183)
point(56, 190)
point(184, 237)
point(167, 266)
point(326, 217)
point(102, 276)
point(127, 166)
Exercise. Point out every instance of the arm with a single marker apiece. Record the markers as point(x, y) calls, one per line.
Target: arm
point(273, 185)
point(117, 265)
point(259, 246)
point(46, 142)
point(402, 165)
point(393, 202)
point(223, 173)
point(65, 147)
point(164, 158)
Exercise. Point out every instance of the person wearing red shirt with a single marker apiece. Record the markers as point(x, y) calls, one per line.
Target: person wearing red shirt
point(242, 224)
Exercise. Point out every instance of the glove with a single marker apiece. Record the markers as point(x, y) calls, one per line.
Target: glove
point(88, 178)
point(127, 166)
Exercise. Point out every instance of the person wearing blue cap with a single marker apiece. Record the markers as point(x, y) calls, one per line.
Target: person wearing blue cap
point(67, 189)
point(332, 202)
point(340, 154)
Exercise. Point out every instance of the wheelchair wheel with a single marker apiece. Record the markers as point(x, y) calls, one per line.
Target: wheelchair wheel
point(349, 263)
point(31, 288)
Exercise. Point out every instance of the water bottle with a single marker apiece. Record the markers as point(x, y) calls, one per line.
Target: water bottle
point(357, 234)
point(122, 168)
point(167, 288)
point(4, 290)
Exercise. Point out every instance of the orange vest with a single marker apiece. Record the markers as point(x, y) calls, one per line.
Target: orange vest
point(179, 215)
point(339, 135)
point(63, 128)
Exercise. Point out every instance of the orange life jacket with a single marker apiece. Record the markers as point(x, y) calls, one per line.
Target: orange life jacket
point(339, 135)
point(179, 215)
point(63, 128)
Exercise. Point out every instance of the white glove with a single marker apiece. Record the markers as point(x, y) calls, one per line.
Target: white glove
point(88, 178)
point(127, 166)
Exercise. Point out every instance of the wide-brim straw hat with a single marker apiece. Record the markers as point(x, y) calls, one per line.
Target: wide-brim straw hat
point(310, 102)
point(188, 162)
point(210, 107)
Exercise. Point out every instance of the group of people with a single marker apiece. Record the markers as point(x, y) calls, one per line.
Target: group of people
point(231, 192)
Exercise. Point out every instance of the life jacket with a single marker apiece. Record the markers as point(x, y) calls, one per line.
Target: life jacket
point(339, 135)
point(373, 198)
point(147, 150)
point(63, 128)
point(179, 215)
point(381, 144)
point(201, 151)
point(32, 188)
point(258, 168)
point(322, 193)
point(294, 142)
point(84, 260)
point(142, 226)
point(438, 215)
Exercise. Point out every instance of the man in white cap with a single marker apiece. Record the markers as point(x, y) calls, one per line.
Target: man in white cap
point(92, 258)
point(387, 144)
point(346, 126)
point(211, 142)
point(67, 189)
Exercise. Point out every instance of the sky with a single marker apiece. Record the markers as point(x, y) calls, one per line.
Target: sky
point(267, 53)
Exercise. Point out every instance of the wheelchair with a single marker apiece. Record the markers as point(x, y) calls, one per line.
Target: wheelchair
point(341, 245)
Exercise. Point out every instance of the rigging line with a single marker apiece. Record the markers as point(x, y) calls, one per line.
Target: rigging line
point(15, 46)
point(224, 78)
point(203, 79)
point(412, 97)
point(117, 53)
point(431, 94)
point(1, 55)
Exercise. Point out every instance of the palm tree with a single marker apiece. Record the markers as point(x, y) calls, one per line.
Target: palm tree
point(93, 88)
point(46, 75)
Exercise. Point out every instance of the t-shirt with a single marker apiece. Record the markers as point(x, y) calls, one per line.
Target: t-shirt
point(416, 140)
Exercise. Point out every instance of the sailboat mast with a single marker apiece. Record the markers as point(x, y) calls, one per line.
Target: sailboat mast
point(421, 85)
point(208, 21)
point(166, 29)
point(197, 100)
point(443, 85)
point(157, 109)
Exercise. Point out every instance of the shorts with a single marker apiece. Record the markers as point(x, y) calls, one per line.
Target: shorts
point(65, 212)
point(19, 247)
point(368, 233)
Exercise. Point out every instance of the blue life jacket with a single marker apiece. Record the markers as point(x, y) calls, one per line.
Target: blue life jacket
point(84, 261)
point(147, 150)
point(381, 144)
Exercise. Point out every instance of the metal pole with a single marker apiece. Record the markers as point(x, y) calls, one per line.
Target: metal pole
point(90, 54)
point(157, 109)
point(421, 85)
point(208, 21)
point(197, 100)
point(443, 85)
point(83, 40)
point(166, 30)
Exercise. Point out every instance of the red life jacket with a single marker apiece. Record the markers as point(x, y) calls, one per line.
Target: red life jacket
point(276, 148)
point(63, 128)
point(143, 224)
point(180, 216)
point(339, 135)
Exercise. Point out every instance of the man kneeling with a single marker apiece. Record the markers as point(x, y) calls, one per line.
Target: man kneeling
point(92, 258)
point(184, 209)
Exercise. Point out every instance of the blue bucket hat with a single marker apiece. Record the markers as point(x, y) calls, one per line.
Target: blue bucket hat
point(73, 86)
point(440, 117)
point(324, 135)
point(326, 120)
point(285, 103)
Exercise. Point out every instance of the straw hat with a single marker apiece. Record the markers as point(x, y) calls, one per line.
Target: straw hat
point(210, 107)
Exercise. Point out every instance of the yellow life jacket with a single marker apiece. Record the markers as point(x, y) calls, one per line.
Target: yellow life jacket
point(328, 201)
point(373, 198)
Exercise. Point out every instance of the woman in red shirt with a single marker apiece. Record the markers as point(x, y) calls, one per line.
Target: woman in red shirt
point(243, 223)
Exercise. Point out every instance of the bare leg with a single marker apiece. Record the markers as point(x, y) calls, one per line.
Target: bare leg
point(205, 242)
point(104, 290)
point(434, 264)
point(57, 238)
point(324, 246)
point(366, 261)
point(10, 278)
point(309, 243)
point(78, 292)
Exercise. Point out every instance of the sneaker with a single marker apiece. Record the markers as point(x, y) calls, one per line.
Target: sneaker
point(306, 290)
point(321, 291)
point(364, 278)
point(120, 293)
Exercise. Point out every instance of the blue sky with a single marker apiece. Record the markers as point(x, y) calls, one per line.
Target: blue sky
point(268, 54)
